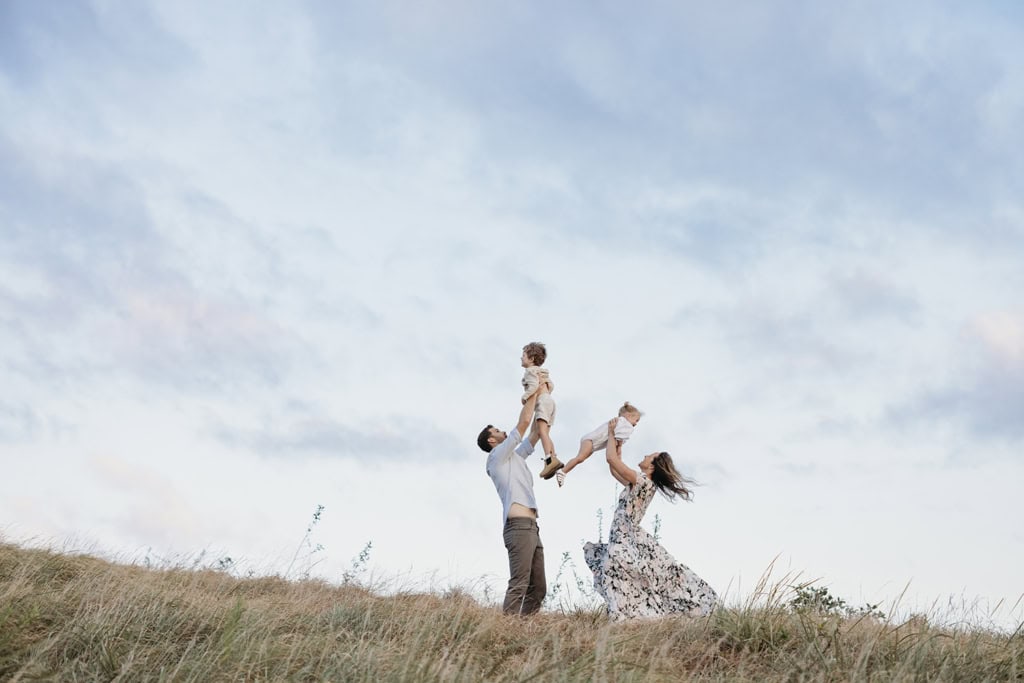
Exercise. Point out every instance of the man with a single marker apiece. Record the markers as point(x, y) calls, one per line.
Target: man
point(506, 466)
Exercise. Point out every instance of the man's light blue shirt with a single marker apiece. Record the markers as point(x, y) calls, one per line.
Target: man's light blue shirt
point(506, 466)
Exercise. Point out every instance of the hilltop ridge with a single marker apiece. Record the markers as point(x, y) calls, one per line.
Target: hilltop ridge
point(76, 617)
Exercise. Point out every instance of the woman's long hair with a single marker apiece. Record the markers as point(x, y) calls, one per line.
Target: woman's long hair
point(668, 480)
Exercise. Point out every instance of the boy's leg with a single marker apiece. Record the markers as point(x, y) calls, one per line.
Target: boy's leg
point(552, 463)
point(545, 437)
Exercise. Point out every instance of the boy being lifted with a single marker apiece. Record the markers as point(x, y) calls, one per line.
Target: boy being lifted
point(534, 355)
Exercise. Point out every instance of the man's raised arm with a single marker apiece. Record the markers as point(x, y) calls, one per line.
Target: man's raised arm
point(527, 412)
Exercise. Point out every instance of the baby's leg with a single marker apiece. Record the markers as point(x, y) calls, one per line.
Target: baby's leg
point(586, 450)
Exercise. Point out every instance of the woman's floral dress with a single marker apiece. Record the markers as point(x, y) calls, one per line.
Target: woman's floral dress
point(635, 575)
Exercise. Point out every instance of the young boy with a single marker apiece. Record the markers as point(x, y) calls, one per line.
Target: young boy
point(534, 355)
point(597, 439)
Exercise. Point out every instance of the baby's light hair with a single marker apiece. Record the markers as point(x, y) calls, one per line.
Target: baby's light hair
point(628, 407)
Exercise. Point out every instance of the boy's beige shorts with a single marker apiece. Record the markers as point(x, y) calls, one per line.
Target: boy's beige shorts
point(545, 409)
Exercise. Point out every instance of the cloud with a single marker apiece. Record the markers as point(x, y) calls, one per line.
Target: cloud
point(304, 433)
point(719, 227)
point(92, 266)
point(182, 338)
point(989, 405)
point(152, 510)
point(1002, 336)
point(790, 341)
point(75, 235)
point(17, 422)
point(39, 41)
point(864, 295)
point(986, 397)
point(82, 223)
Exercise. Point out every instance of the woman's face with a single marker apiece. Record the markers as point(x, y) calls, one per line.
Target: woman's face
point(647, 464)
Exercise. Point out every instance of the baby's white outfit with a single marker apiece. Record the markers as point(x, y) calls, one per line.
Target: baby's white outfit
point(545, 409)
point(623, 430)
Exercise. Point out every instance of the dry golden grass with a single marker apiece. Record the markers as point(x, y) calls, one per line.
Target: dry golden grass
point(78, 618)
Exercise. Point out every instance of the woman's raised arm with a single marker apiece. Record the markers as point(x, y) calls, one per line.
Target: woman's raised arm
point(625, 475)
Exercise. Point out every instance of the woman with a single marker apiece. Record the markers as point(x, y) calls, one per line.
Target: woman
point(632, 572)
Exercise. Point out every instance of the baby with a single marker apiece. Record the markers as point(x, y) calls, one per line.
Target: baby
point(534, 355)
point(597, 439)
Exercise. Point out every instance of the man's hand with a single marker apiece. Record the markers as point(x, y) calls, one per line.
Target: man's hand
point(560, 478)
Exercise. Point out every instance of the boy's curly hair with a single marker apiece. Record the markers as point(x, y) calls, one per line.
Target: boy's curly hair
point(536, 352)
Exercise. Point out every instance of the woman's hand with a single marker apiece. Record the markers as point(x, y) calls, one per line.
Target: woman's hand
point(611, 425)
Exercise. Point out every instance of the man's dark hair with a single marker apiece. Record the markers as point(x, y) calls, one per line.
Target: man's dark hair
point(482, 441)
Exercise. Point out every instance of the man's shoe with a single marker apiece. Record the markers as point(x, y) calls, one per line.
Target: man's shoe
point(552, 466)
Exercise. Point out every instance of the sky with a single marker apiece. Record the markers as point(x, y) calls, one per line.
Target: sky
point(259, 257)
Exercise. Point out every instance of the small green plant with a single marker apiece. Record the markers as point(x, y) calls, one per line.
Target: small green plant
point(307, 544)
point(359, 563)
point(818, 599)
point(557, 589)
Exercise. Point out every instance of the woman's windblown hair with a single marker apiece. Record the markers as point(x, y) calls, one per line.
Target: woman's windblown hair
point(668, 480)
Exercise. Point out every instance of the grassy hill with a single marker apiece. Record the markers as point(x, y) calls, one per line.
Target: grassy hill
point(78, 618)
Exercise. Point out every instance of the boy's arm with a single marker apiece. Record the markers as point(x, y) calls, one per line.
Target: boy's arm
point(529, 384)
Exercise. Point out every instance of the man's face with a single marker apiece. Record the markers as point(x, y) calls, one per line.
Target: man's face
point(497, 436)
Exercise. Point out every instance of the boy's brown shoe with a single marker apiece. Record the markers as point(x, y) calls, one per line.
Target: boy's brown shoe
point(552, 466)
